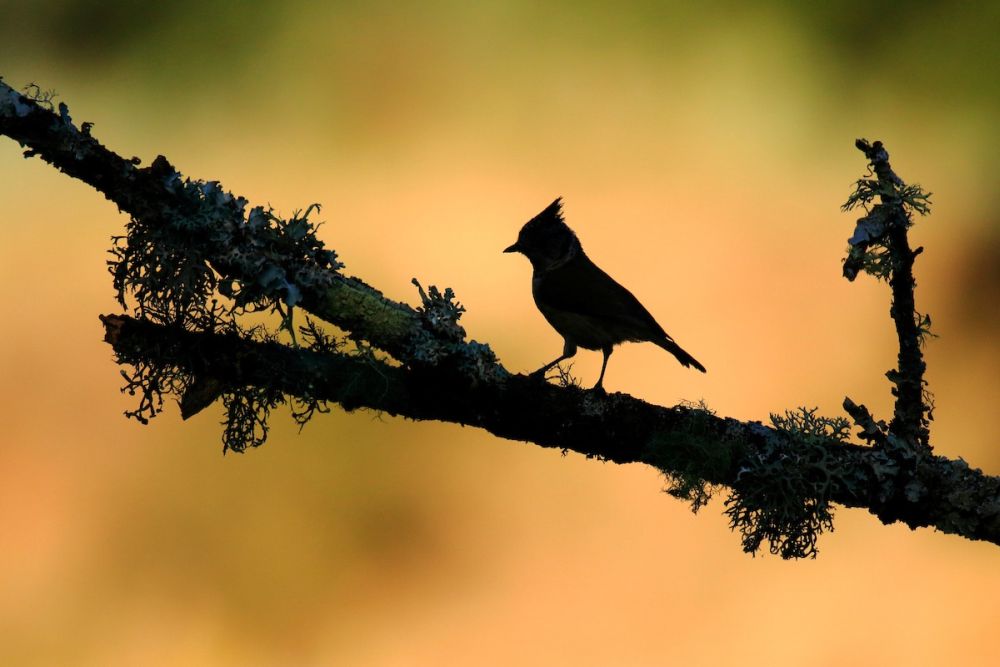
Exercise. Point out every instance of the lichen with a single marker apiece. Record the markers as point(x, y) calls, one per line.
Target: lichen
point(440, 340)
point(868, 248)
point(781, 494)
point(42, 97)
point(172, 264)
point(200, 264)
point(247, 412)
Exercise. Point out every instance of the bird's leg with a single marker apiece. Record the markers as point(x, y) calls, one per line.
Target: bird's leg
point(607, 355)
point(569, 349)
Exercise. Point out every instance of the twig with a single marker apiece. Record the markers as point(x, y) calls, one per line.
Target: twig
point(880, 246)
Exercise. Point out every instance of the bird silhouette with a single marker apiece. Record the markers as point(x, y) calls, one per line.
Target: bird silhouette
point(586, 306)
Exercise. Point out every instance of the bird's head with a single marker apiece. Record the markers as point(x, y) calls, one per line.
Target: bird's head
point(546, 240)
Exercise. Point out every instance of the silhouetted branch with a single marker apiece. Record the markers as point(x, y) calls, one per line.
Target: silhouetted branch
point(880, 247)
point(216, 234)
point(194, 260)
point(685, 442)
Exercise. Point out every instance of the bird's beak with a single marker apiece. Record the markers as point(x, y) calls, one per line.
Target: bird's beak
point(513, 248)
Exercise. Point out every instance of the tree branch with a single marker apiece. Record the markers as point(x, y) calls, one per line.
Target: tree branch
point(214, 230)
point(880, 247)
point(194, 260)
point(685, 442)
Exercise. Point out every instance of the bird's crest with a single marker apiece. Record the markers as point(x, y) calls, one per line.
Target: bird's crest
point(552, 213)
point(546, 239)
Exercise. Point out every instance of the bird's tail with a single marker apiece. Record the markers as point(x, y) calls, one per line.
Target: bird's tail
point(673, 348)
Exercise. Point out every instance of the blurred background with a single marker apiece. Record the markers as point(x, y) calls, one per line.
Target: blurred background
point(703, 151)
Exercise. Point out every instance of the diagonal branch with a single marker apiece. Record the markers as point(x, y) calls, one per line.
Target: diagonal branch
point(213, 224)
point(684, 442)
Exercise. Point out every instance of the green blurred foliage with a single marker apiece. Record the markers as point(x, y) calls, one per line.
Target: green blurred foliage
point(918, 48)
point(93, 33)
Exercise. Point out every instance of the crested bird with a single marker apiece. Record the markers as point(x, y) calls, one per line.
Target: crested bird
point(586, 306)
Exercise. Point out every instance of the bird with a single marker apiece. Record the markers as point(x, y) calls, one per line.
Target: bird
point(585, 305)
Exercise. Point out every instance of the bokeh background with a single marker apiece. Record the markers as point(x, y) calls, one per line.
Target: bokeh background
point(703, 151)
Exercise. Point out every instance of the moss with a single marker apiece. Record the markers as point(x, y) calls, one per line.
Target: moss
point(691, 455)
point(367, 313)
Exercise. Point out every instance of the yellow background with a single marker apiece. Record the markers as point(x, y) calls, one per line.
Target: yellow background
point(703, 152)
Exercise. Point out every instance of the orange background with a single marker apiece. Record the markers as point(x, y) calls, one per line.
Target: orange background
point(703, 155)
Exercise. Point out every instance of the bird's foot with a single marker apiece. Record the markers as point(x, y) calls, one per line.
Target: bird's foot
point(556, 372)
point(538, 375)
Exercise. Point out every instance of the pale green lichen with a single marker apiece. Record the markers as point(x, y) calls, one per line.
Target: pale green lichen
point(782, 493)
point(440, 340)
point(868, 249)
point(172, 263)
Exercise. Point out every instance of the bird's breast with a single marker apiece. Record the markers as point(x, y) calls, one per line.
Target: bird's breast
point(581, 329)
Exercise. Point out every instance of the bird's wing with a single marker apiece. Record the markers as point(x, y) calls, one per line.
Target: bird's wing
point(580, 287)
